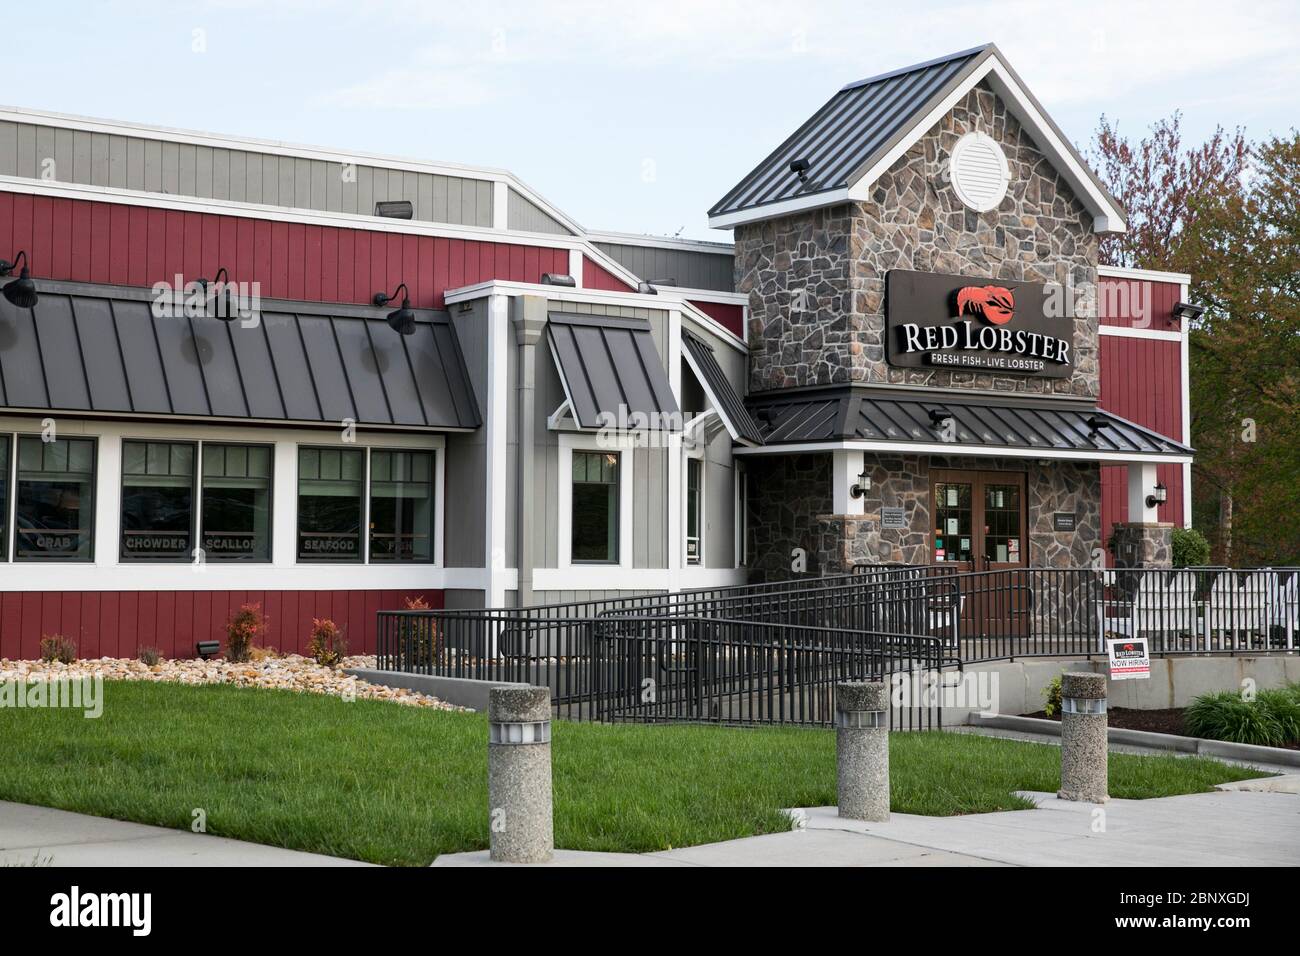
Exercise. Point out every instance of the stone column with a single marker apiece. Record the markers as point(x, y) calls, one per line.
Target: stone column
point(520, 816)
point(1083, 738)
point(862, 749)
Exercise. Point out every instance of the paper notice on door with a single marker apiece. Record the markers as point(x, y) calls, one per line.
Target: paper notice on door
point(1013, 549)
point(952, 526)
point(965, 544)
point(952, 497)
point(1002, 553)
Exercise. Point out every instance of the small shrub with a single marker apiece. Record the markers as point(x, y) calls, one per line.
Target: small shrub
point(1227, 716)
point(1190, 549)
point(149, 656)
point(1283, 705)
point(422, 632)
point(327, 643)
point(1052, 697)
point(56, 647)
point(257, 654)
point(241, 631)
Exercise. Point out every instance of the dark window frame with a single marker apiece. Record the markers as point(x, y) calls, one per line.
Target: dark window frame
point(694, 509)
point(616, 512)
point(209, 556)
point(93, 440)
point(434, 530)
point(123, 556)
point(363, 537)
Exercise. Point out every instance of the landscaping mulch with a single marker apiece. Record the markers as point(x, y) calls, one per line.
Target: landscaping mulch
point(1168, 721)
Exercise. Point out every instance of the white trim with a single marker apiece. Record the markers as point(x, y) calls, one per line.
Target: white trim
point(846, 466)
point(495, 433)
point(1151, 275)
point(772, 210)
point(597, 577)
point(1129, 332)
point(575, 266)
point(1185, 374)
point(709, 295)
point(974, 451)
point(500, 205)
point(107, 572)
point(661, 242)
point(555, 421)
point(585, 441)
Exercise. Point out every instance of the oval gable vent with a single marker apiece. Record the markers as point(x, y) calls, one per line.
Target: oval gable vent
point(978, 171)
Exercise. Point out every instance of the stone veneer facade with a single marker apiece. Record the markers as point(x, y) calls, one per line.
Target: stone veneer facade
point(790, 504)
point(840, 256)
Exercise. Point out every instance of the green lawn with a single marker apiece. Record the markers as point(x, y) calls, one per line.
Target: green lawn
point(399, 785)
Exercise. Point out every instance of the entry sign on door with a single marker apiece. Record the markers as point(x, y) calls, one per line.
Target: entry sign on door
point(1130, 659)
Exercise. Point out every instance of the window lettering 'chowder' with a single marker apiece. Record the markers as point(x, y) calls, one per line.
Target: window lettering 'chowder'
point(945, 321)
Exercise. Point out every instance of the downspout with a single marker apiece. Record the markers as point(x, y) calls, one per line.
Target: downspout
point(529, 321)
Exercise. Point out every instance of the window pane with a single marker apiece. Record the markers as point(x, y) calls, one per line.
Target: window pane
point(54, 504)
point(401, 507)
point(236, 503)
point(694, 474)
point(595, 507)
point(157, 501)
point(5, 442)
point(329, 504)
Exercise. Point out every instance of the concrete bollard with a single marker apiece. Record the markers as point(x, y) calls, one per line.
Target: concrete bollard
point(1083, 738)
point(862, 750)
point(519, 774)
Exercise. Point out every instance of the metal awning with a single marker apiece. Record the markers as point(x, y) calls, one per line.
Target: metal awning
point(1018, 426)
point(607, 363)
point(102, 349)
point(729, 406)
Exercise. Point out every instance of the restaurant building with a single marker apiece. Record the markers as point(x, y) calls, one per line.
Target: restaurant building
point(236, 371)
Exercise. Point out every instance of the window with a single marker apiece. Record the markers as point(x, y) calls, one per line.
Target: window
point(236, 502)
point(54, 497)
point(401, 506)
point(595, 507)
point(694, 506)
point(5, 442)
point(330, 500)
point(157, 501)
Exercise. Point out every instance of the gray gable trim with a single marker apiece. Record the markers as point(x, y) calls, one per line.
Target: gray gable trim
point(100, 349)
point(606, 362)
point(858, 414)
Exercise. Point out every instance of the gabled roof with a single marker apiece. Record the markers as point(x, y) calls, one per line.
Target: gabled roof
point(102, 349)
point(982, 425)
point(863, 129)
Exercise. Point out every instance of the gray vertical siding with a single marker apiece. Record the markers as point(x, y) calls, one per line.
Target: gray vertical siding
point(527, 216)
point(692, 270)
point(465, 494)
point(209, 172)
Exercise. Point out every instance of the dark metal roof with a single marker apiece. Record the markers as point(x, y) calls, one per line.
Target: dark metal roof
point(858, 414)
point(101, 349)
point(859, 123)
point(606, 362)
point(730, 406)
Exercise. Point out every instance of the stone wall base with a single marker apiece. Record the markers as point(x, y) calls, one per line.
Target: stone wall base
point(1137, 545)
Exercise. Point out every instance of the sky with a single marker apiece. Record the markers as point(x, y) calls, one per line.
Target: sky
point(633, 117)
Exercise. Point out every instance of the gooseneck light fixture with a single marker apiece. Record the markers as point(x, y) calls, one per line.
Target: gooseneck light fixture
point(403, 319)
point(22, 291)
point(1159, 494)
point(227, 311)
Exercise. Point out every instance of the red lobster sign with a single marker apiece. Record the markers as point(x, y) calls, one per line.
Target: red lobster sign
point(992, 302)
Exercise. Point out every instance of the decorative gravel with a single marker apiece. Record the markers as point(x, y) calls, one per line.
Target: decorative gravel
point(291, 672)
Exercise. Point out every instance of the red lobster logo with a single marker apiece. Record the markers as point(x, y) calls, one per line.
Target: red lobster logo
point(992, 302)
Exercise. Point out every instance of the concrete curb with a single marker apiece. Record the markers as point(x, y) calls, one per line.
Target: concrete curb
point(1145, 738)
point(461, 691)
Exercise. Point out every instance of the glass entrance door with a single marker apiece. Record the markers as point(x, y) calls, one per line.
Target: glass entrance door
point(979, 519)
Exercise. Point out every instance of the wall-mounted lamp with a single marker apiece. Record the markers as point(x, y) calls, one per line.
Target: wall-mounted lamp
point(403, 319)
point(1185, 310)
point(559, 278)
point(1158, 495)
point(227, 311)
point(22, 291)
point(862, 485)
point(647, 286)
point(939, 417)
point(395, 209)
point(800, 168)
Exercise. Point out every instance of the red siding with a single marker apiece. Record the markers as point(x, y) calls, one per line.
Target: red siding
point(598, 277)
point(1138, 303)
point(1141, 380)
point(731, 317)
point(86, 241)
point(118, 623)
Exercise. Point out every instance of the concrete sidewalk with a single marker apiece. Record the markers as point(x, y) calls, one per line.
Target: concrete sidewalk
point(1224, 828)
point(40, 836)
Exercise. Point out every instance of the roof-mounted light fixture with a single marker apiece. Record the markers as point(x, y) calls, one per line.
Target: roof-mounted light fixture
point(939, 417)
point(647, 286)
point(559, 278)
point(1096, 423)
point(395, 209)
point(22, 291)
point(1185, 310)
point(403, 319)
point(227, 310)
point(800, 168)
